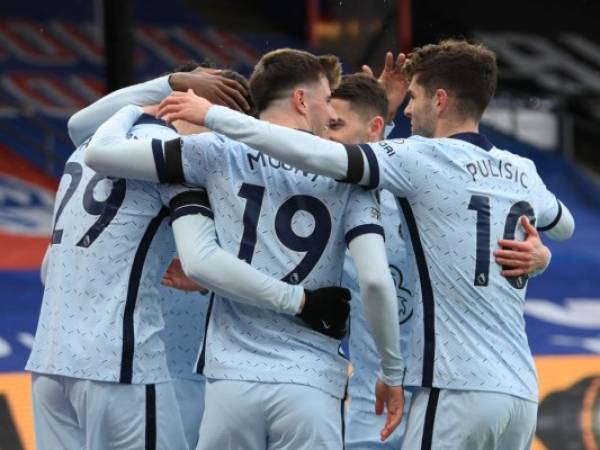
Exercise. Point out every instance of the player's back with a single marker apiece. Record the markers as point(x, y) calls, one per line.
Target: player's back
point(468, 331)
point(101, 317)
point(184, 314)
point(293, 226)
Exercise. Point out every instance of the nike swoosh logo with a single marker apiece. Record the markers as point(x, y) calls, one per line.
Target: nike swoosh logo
point(325, 325)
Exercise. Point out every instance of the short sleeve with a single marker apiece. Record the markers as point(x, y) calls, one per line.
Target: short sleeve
point(363, 214)
point(396, 165)
point(181, 200)
point(190, 202)
point(548, 208)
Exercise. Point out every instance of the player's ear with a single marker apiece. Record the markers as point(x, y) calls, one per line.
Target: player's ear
point(298, 100)
point(441, 100)
point(376, 127)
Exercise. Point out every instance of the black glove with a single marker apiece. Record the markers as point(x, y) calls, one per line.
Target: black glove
point(326, 310)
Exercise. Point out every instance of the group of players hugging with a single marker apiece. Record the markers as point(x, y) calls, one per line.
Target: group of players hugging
point(215, 239)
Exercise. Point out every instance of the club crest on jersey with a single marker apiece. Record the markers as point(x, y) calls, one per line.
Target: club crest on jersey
point(375, 213)
point(86, 241)
point(519, 281)
point(376, 210)
point(482, 279)
point(404, 295)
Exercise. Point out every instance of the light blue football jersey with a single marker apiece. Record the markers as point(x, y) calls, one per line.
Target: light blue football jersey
point(363, 352)
point(291, 225)
point(459, 196)
point(101, 313)
point(184, 314)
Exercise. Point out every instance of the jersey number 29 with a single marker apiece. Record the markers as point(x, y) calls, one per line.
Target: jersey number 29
point(106, 210)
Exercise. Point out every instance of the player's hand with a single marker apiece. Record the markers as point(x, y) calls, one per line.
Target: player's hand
point(523, 257)
point(209, 70)
point(392, 399)
point(176, 278)
point(184, 106)
point(394, 82)
point(209, 84)
point(326, 310)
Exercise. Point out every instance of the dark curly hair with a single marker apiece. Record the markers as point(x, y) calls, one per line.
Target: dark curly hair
point(467, 71)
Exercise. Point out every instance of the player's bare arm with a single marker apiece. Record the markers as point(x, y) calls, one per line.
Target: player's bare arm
point(176, 278)
point(393, 81)
point(184, 106)
point(210, 84)
point(390, 398)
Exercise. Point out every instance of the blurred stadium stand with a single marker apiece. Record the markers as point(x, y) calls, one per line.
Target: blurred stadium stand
point(548, 109)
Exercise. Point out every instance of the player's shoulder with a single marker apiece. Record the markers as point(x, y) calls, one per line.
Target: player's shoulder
point(150, 127)
point(515, 159)
point(78, 155)
point(391, 146)
point(467, 143)
point(220, 139)
point(211, 141)
point(359, 195)
point(421, 141)
point(208, 137)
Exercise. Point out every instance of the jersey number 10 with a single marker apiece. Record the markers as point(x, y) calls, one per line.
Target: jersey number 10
point(481, 204)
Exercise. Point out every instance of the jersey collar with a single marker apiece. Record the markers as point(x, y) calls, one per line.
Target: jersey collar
point(474, 138)
point(147, 119)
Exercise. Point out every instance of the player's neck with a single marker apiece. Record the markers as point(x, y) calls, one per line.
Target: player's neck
point(285, 118)
point(449, 127)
